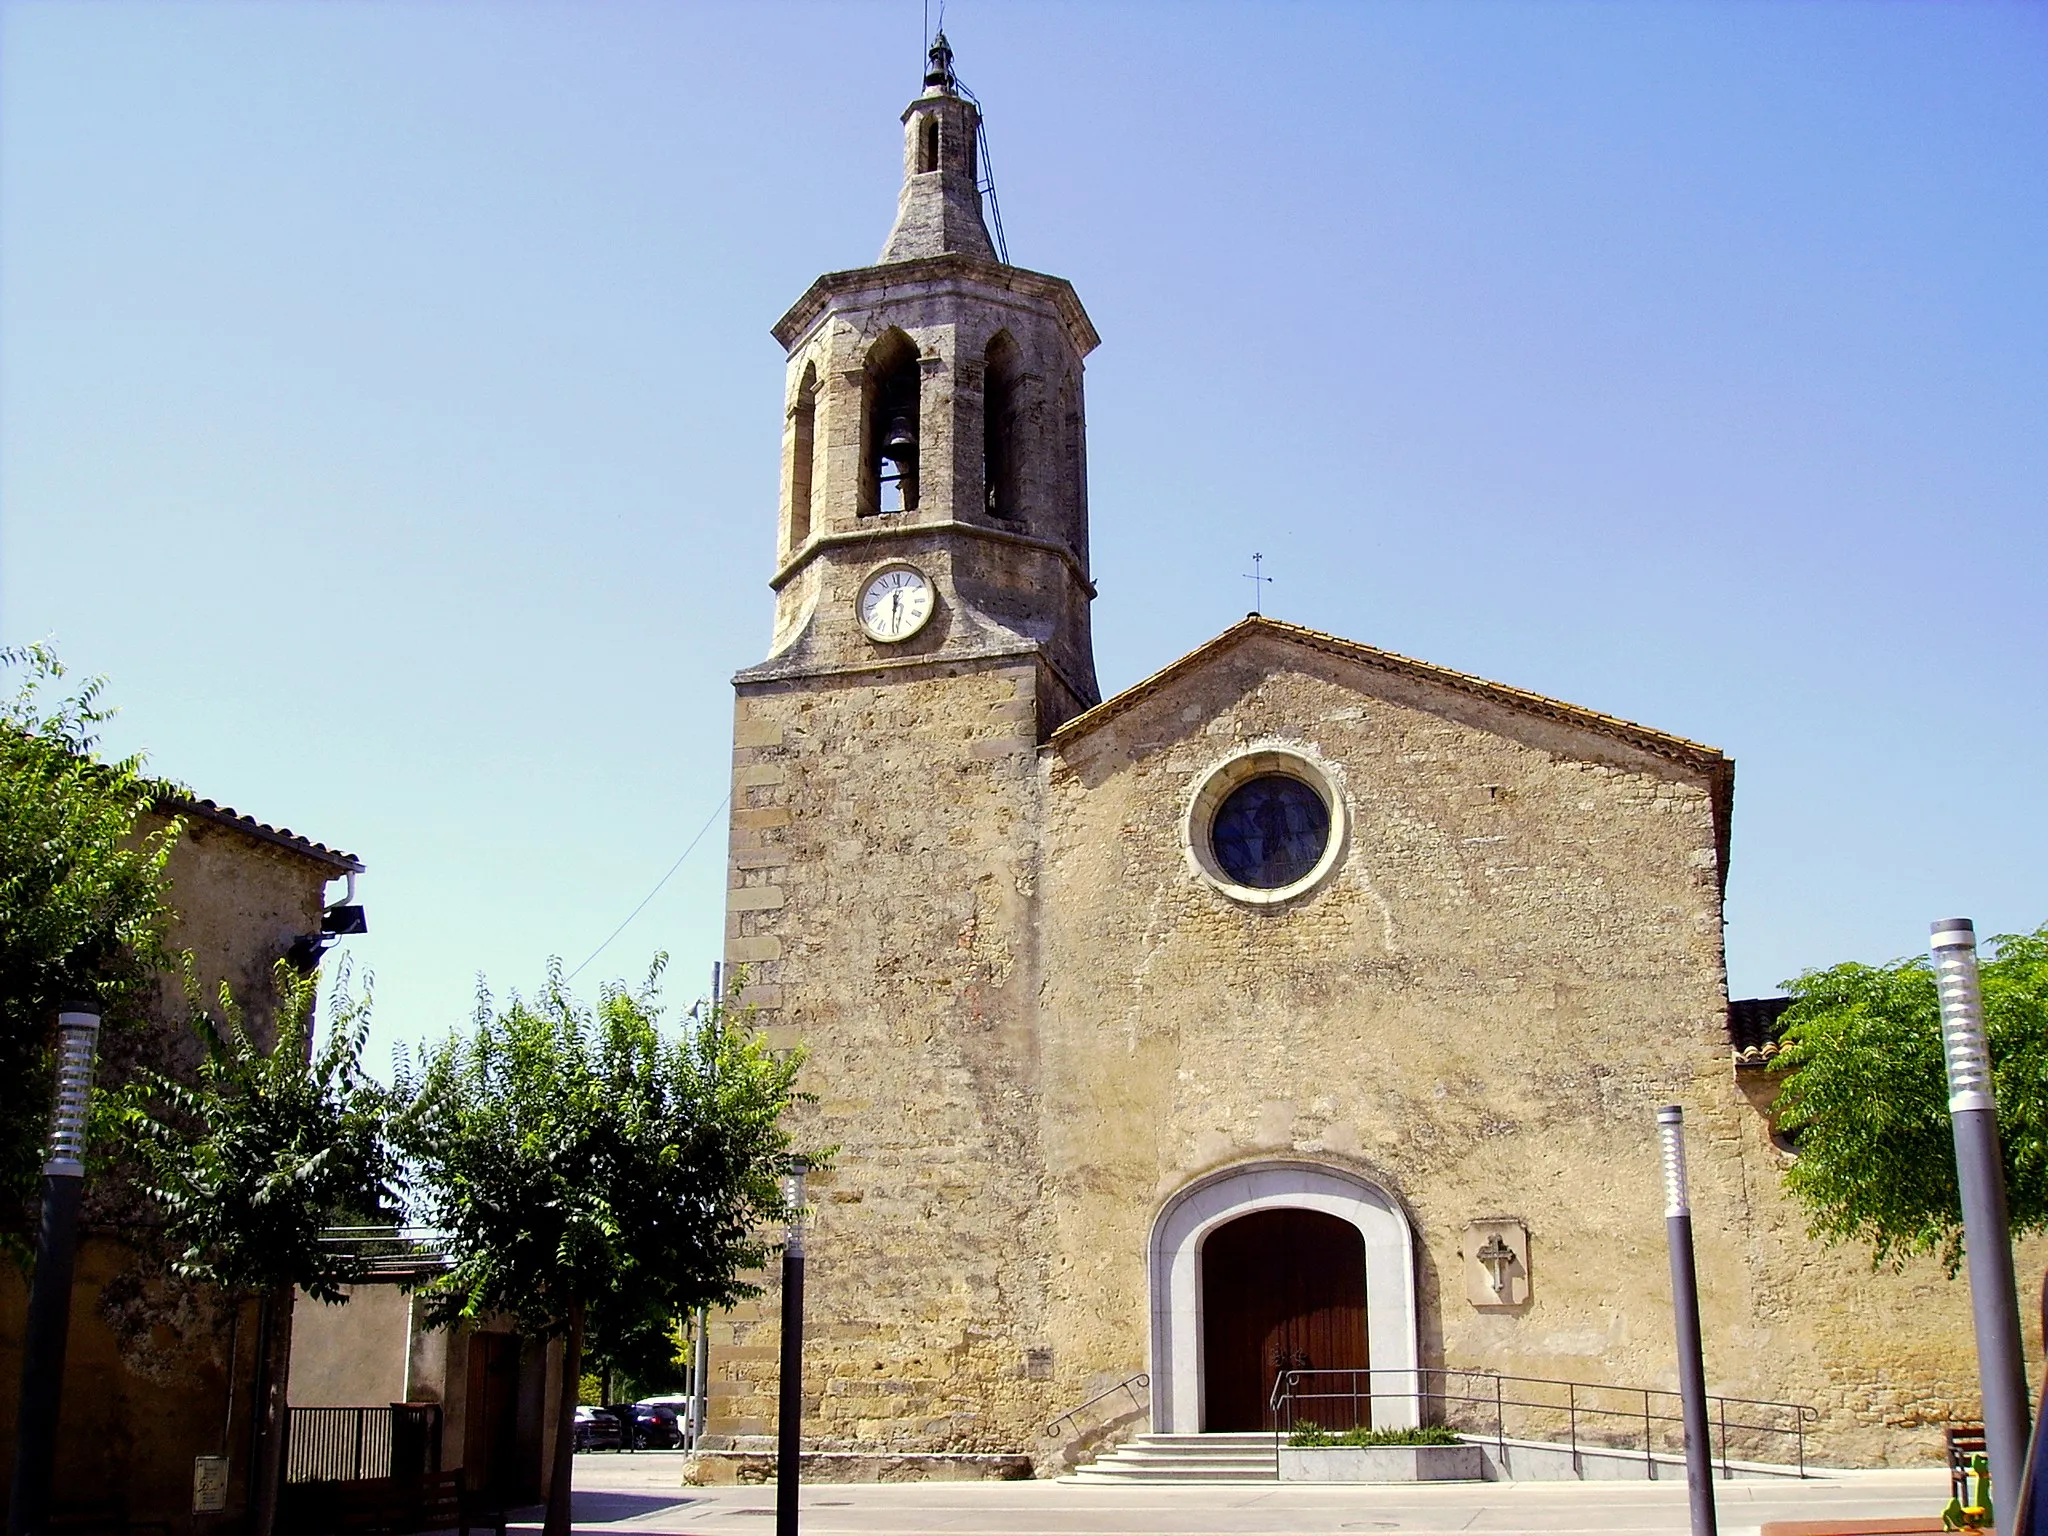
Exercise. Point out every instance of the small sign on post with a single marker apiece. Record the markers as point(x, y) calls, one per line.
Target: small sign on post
point(209, 1485)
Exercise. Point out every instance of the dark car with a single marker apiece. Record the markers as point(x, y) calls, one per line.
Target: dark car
point(597, 1429)
point(652, 1426)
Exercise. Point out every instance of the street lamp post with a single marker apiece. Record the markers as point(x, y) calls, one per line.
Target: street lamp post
point(49, 1303)
point(1987, 1233)
point(1685, 1302)
point(790, 1421)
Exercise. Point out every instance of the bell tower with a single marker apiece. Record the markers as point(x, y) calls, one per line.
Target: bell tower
point(934, 425)
point(931, 631)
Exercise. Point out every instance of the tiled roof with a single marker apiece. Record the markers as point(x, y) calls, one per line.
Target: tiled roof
point(1755, 1028)
point(263, 832)
point(171, 799)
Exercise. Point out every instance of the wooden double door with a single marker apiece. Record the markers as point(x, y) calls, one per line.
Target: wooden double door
point(1282, 1290)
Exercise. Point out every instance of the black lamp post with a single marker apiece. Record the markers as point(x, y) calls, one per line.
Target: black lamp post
point(1685, 1303)
point(789, 1429)
point(1987, 1234)
point(49, 1302)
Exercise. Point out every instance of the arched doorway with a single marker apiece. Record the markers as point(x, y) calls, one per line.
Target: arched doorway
point(1281, 1290)
point(1209, 1204)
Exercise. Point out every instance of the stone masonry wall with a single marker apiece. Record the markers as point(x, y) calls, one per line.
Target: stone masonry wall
point(1032, 1023)
point(883, 866)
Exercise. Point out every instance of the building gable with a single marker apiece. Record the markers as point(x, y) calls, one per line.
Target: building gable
point(1125, 723)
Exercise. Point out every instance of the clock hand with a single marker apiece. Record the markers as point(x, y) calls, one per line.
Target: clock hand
point(895, 606)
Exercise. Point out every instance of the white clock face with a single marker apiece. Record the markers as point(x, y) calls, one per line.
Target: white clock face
point(895, 603)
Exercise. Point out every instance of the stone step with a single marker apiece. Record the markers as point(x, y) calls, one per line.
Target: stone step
point(1100, 1473)
point(1165, 1458)
point(1141, 1465)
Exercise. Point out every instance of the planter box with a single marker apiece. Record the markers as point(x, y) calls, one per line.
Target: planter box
point(1381, 1464)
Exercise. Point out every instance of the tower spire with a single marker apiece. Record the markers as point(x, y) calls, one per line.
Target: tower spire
point(938, 74)
point(939, 208)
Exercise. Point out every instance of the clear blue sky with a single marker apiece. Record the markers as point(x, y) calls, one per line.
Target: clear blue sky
point(387, 404)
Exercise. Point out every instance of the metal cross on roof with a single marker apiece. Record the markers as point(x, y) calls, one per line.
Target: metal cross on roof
point(1260, 581)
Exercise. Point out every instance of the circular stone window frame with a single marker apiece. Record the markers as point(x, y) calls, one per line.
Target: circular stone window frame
point(1294, 760)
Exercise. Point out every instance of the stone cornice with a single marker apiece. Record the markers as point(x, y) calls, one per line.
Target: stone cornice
point(772, 671)
point(825, 541)
point(927, 270)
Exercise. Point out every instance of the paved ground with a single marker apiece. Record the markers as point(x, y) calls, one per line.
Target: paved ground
point(643, 1493)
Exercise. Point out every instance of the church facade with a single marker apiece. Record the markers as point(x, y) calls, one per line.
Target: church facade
point(1304, 1005)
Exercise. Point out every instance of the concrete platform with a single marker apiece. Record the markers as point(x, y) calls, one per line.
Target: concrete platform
point(644, 1494)
point(726, 1467)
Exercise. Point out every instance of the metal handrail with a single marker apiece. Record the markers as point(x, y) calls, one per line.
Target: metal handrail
point(390, 1250)
point(1128, 1384)
point(1287, 1398)
point(429, 1238)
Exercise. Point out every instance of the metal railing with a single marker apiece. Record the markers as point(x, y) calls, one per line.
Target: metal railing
point(1582, 1415)
point(1129, 1384)
point(391, 1252)
point(349, 1445)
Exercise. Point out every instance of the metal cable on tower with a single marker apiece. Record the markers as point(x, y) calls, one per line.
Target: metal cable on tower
point(985, 179)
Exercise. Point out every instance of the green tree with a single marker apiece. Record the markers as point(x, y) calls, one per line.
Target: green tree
point(596, 1176)
point(82, 903)
point(1866, 1099)
point(250, 1163)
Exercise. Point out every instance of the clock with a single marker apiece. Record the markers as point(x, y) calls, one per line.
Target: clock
point(895, 603)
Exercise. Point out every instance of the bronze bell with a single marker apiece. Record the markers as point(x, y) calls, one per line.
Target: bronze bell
point(900, 446)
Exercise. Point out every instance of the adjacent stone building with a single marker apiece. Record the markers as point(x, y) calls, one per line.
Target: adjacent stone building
point(1303, 1005)
point(159, 1372)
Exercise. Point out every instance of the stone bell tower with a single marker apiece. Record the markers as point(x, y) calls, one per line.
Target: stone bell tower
point(934, 417)
point(931, 630)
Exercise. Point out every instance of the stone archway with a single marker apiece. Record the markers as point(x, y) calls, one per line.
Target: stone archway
point(1175, 1264)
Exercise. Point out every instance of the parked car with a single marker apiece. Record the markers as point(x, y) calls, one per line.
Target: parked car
point(648, 1426)
point(597, 1429)
point(677, 1402)
point(668, 1430)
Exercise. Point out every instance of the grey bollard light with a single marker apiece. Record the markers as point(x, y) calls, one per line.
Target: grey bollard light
point(1685, 1305)
point(1987, 1231)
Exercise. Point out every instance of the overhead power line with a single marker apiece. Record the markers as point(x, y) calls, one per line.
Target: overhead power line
point(656, 891)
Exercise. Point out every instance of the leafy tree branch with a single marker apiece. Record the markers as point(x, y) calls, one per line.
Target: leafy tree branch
point(596, 1176)
point(83, 910)
point(1866, 1100)
point(250, 1162)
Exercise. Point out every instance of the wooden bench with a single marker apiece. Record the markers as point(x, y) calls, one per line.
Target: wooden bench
point(390, 1506)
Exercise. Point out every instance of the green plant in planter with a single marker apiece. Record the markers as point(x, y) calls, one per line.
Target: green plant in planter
point(1307, 1435)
